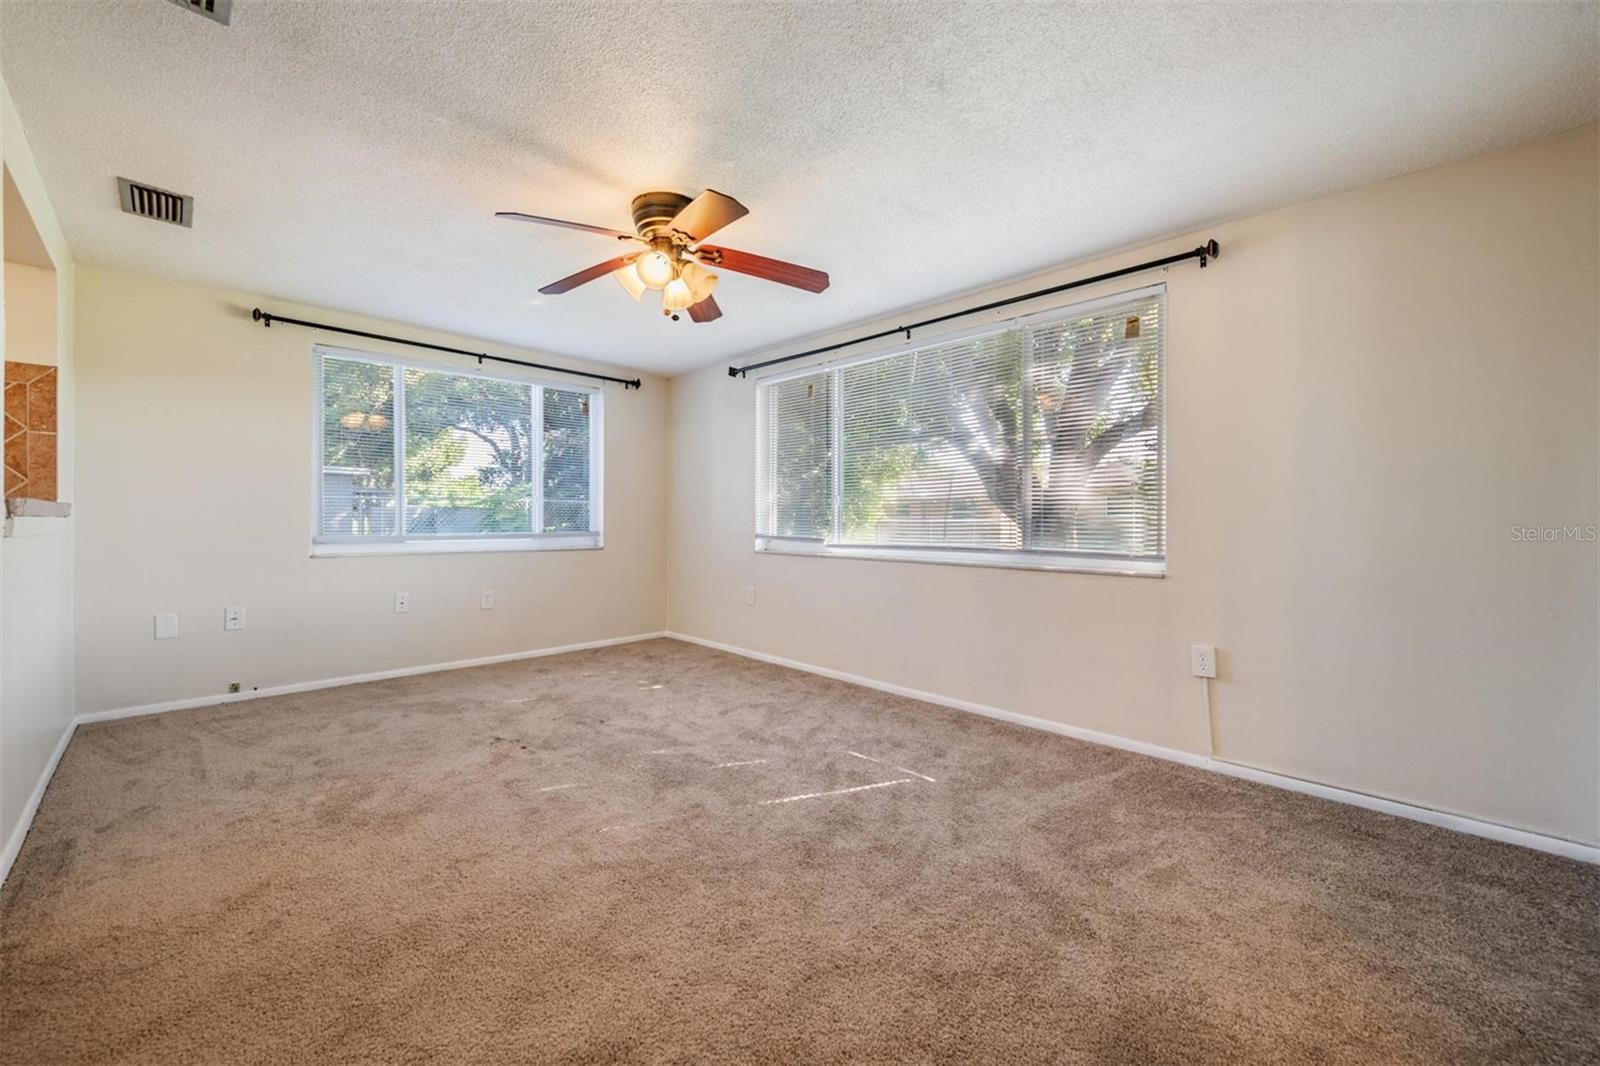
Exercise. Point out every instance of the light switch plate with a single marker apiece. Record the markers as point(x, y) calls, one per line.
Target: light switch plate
point(167, 626)
point(486, 600)
point(232, 618)
point(402, 602)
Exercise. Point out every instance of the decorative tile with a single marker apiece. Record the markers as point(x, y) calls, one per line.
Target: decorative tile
point(42, 466)
point(30, 430)
point(42, 402)
point(24, 372)
point(17, 453)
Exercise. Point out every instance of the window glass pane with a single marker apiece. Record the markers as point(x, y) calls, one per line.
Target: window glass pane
point(1096, 463)
point(469, 460)
point(566, 461)
point(933, 445)
point(794, 427)
point(1042, 437)
point(357, 449)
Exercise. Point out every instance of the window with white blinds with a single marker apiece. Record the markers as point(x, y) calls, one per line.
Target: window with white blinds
point(1037, 442)
point(409, 454)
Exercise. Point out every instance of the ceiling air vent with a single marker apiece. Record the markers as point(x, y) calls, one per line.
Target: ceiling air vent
point(215, 10)
point(147, 201)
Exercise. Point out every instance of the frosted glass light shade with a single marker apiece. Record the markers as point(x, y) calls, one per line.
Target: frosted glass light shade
point(676, 296)
point(630, 279)
point(700, 280)
point(655, 269)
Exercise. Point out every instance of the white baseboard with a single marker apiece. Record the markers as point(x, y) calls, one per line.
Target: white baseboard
point(14, 845)
point(1461, 823)
point(351, 679)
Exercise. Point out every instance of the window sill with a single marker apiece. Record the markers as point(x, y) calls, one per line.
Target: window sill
point(1050, 561)
point(549, 542)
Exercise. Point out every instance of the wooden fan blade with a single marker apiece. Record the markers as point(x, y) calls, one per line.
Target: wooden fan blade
point(518, 216)
point(705, 310)
point(583, 277)
point(759, 266)
point(706, 214)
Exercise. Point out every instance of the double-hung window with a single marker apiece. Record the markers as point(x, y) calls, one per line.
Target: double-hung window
point(413, 457)
point(1036, 442)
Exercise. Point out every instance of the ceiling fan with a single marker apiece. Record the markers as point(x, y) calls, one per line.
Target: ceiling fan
point(672, 228)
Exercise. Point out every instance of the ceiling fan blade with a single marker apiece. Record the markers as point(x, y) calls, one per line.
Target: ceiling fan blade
point(706, 214)
point(705, 311)
point(759, 266)
point(583, 277)
point(518, 216)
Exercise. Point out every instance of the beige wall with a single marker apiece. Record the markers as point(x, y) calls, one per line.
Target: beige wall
point(30, 296)
point(1365, 394)
point(36, 673)
point(194, 475)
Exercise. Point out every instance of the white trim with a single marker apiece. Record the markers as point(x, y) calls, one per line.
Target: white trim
point(351, 679)
point(1057, 561)
point(446, 545)
point(1460, 823)
point(29, 809)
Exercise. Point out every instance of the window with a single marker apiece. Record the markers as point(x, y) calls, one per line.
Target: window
point(414, 457)
point(1035, 443)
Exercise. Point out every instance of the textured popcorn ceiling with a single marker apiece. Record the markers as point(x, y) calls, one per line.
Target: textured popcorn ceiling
point(351, 155)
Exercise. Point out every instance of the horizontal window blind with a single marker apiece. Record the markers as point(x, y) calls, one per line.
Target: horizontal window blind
point(932, 443)
point(358, 449)
point(1040, 437)
point(1096, 450)
point(794, 474)
point(469, 455)
point(566, 461)
point(414, 453)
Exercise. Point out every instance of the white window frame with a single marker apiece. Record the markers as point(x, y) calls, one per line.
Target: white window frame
point(399, 543)
point(1021, 559)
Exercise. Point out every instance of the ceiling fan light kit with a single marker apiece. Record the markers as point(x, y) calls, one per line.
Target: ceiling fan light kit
point(673, 227)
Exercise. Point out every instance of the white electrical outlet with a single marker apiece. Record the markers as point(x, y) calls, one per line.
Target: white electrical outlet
point(232, 618)
point(1203, 660)
point(402, 602)
point(167, 626)
point(486, 600)
point(749, 595)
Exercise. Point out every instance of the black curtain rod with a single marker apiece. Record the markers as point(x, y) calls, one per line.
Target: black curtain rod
point(1204, 253)
point(267, 319)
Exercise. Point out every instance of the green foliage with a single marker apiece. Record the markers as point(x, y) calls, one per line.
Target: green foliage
point(363, 391)
point(1092, 389)
point(469, 447)
point(566, 461)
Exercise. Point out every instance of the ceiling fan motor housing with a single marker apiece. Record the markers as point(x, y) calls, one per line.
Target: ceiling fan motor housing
point(652, 211)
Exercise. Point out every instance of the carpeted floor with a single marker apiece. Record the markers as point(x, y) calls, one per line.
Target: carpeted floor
point(660, 853)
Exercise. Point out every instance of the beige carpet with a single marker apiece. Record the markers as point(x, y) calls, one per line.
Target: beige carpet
point(622, 856)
